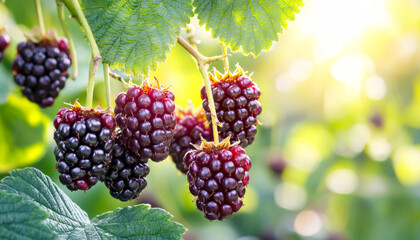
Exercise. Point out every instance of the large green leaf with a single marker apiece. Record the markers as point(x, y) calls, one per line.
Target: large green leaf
point(250, 25)
point(135, 35)
point(20, 219)
point(68, 221)
point(139, 222)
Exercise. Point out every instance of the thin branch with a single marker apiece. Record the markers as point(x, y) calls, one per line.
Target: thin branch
point(40, 17)
point(66, 31)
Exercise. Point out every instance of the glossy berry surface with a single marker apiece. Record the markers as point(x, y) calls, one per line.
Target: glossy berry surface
point(237, 106)
point(84, 141)
point(4, 43)
point(145, 115)
point(126, 176)
point(41, 70)
point(190, 126)
point(218, 177)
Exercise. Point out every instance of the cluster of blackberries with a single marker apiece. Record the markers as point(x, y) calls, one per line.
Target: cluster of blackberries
point(41, 69)
point(237, 107)
point(218, 175)
point(84, 146)
point(191, 127)
point(4, 42)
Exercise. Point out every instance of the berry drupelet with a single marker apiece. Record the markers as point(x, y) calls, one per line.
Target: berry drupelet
point(191, 126)
point(126, 175)
point(4, 43)
point(85, 141)
point(237, 107)
point(145, 115)
point(218, 175)
point(41, 69)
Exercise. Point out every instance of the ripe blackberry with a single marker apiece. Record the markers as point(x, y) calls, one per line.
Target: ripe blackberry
point(126, 176)
point(84, 140)
point(237, 107)
point(40, 69)
point(146, 117)
point(4, 42)
point(218, 175)
point(191, 126)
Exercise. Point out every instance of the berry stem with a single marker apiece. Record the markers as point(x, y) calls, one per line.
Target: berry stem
point(225, 60)
point(72, 49)
point(40, 17)
point(203, 65)
point(75, 6)
point(91, 83)
point(107, 85)
point(203, 70)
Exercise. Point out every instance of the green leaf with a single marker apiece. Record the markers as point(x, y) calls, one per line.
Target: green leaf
point(65, 217)
point(250, 25)
point(135, 35)
point(21, 219)
point(68, 221)
point(139, 222)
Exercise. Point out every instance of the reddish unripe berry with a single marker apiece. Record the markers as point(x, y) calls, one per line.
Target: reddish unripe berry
point(217, 181)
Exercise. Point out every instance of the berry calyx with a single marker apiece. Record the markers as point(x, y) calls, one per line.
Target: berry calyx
point(191, 126)
point(145, 115)
point(237, 107)
point(84, 145)
point(126, 176)
point(217, 176)
point(40, 68)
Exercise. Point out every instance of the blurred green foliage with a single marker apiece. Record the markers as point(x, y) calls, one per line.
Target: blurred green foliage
point(341, 100)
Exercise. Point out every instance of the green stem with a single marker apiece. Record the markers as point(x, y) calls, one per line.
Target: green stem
point(203, 65)
point(91, 83)
point(226, 60)
point(107, 85)
point(203, 71)
point(72, 49)
point(85, 25)
point(40, 17)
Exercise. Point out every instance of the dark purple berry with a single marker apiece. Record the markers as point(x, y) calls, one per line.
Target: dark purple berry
point(45, 68)
point(82, 153)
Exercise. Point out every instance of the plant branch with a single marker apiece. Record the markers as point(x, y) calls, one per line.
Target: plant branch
point(225, 60)
point(72, 49)
point(203, 65)
point(40, 17)
point(91, 83)
point(107, 85)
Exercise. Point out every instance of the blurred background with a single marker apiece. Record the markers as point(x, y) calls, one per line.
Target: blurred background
point(337, 156)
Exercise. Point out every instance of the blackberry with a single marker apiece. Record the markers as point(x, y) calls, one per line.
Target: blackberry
point(191, 126)
point(237, 107)
point(85, 141)
point(146, 117)
point(126, 176)
point(218, 175)
point(4, 42)
point(40, 69)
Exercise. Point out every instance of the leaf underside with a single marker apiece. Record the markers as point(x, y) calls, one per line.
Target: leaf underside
point(135, 35)
point(250, 26)
point(68, 221)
